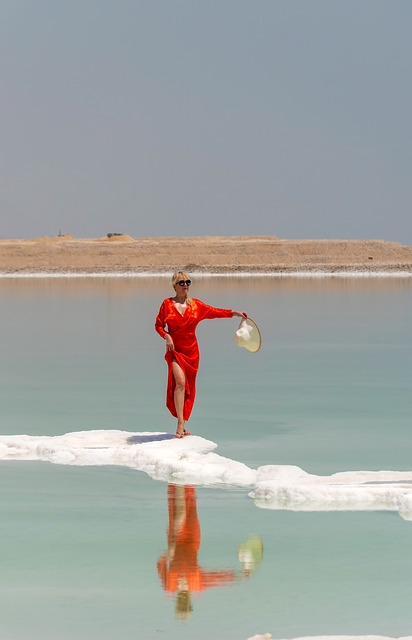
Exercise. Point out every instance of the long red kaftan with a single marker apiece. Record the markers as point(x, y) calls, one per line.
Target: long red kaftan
point(182, 329)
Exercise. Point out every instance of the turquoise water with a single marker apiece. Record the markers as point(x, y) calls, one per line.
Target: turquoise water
point(329, 391)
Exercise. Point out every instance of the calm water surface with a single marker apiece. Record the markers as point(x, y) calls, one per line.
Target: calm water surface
point(329, 391)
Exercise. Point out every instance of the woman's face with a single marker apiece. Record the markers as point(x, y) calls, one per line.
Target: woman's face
point(182, 283)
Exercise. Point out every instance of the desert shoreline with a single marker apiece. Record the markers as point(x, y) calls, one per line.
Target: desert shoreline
point(120, 254)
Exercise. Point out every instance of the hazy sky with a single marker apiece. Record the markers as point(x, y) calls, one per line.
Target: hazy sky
point(206, 117)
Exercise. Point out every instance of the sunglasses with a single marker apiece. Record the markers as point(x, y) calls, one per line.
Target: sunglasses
point(182, 283)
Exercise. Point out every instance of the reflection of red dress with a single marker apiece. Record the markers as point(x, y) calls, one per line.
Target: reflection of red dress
point(184, 564)
point(186, 352)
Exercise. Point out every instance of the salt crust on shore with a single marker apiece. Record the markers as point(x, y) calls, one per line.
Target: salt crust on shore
point(193, 461)
point(122, 254)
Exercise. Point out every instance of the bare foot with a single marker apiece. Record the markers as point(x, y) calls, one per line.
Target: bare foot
point(180, 430)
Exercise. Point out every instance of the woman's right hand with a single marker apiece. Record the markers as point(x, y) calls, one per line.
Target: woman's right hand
point(169, 343)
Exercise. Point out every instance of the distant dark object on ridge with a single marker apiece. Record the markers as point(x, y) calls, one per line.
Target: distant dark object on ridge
point(110, 235)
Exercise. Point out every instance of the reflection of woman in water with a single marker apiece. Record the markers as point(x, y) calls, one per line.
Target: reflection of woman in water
point(179, 568)
point(181, 314)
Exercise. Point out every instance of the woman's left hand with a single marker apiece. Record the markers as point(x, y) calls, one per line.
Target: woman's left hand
point(240, 314)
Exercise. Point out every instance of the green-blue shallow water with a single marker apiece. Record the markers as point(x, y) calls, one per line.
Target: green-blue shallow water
point(329, 391)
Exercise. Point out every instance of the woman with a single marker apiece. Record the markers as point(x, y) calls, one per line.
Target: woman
point(181, 315)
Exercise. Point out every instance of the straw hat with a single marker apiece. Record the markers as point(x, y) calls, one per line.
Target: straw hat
point(248, 335)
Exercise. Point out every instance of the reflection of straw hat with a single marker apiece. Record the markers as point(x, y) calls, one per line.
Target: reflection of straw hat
point(250, 553)
point(248, 335)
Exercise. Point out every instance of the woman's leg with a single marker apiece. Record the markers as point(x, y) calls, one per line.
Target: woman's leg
point(179, 395)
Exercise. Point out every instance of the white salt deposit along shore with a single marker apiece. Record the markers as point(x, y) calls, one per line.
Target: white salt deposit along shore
point(189, 460)
point(291, 488)
point(192, 460)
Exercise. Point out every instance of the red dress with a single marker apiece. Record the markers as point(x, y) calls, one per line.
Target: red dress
point(182, 329)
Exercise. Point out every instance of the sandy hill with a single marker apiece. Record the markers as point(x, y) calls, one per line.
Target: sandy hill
point(122, 253)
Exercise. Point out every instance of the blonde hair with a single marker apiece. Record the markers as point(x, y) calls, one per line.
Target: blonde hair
point(179, 275)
